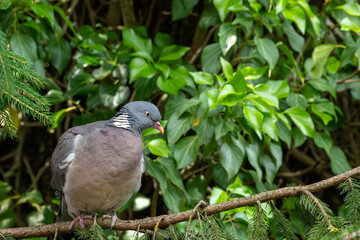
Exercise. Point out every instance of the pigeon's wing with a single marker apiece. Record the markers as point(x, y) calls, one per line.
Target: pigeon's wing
point(64, 153)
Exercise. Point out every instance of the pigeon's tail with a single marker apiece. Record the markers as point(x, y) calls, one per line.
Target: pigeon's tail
point(63, 216)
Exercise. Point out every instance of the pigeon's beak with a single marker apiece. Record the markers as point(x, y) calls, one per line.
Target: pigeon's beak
point(159, 127)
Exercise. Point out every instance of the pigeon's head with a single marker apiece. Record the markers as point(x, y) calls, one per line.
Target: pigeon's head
point(138, 116)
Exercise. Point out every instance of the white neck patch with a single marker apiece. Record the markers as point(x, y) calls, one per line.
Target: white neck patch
point(122, 121)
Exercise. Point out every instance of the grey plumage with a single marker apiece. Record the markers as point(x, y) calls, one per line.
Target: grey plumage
point(98, 166)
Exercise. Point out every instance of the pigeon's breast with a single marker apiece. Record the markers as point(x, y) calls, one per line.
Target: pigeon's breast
point(113, 162)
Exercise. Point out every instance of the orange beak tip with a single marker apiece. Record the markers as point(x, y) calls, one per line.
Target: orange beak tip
point(159, 127)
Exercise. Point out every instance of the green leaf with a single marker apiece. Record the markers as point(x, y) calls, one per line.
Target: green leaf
point(7, 219)
point(5, 4)
point(43, 216)
point(297, 100)
point(280, 6)
point(59, 53)
point(319, 57)
point(338, 161)
point(270, 167)
point(212, 95)
point(283, 119)
point(170, 85)
point(302, 119)
point(297, 15)
point(101, 73)
point(80, 83)
point(209, 17)
point(323, 140)
point(162, 39)
point(352, 9)
point(172, 173)
point(139, 67)
point(350, 24)
point(172, 199)
point(210, 58)
point(112, 96)
point(55, 96)
point(222, 7)
point(259, 103)
point(24, 46)
point(163, 68)
point(280, 88)
point(296, 40)
point(202, 78)
point(269, 127)
point(323, 85)
point(181, 8)
point(276, 151)
point(139, 44)
point(227, 95)
point(5, 188)
point(222, 127)
point(177, 127)
point(227, 69)
point(267, 50)
point(332, 65)
point(33, 197)
point(253, 153)
point(144, 55)
point(315, 22)
point(173, 52)
point(265, 93)
point(238, 83)
point(5, 205)
point(181, 74)
point(255, 119)
point(231, 156)
point(186, 151)
point(227, 36)
point(64, 17)
point(317, 110)
point(217, 196)
point(253, 73)
point(284, 133)
point(156, 170)
point(158, 146)
point(298, 137)
point(205, 130)
point(44, 10)
point(87, 60)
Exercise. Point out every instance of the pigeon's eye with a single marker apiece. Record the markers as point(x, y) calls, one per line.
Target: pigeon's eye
point(147, 114)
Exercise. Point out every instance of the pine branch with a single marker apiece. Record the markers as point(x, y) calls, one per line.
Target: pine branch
point(167, 220)
point(281, 225)
point(352, 201)
point(19, 87)
point(258, 224)
point(313, 204)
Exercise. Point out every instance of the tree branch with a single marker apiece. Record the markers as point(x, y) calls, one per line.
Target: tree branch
point(166, 220)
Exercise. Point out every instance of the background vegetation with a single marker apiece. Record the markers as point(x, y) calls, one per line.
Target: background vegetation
point(255, 95)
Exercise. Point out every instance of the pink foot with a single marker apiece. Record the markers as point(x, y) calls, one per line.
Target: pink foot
point(80, 219)
point(113, 218)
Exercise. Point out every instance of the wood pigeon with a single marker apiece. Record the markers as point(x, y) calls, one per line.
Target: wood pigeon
point(98, 166)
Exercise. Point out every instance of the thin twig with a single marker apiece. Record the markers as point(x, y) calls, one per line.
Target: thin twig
point(201, 203)
point(348, 77)
point(207, 39)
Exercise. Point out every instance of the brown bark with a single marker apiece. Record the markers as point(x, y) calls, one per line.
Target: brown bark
point(166, 220)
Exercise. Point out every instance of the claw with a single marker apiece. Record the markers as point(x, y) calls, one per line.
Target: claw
point(80, 219)
point(113, 218)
